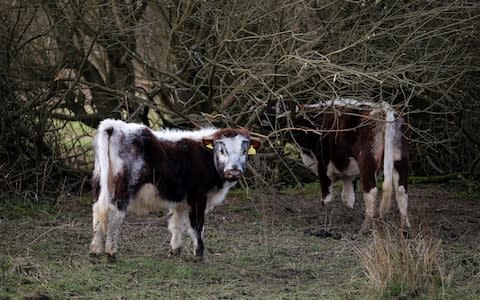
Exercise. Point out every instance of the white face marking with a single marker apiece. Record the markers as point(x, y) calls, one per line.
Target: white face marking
point(231, 153)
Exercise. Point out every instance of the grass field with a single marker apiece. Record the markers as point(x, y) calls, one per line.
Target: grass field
point(281, 245)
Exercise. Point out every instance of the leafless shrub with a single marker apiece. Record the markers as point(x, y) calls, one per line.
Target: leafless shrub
point(191, 63)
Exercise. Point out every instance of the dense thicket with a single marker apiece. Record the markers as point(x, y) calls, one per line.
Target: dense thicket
point(65, 65)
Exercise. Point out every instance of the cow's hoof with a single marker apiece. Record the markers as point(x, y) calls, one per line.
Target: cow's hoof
point(174, 252)
point(202, 259)
point(111, 258)
point(365, 230)
point(405, 223)
point(205, 259)
point(94, 257)
point(407, 233)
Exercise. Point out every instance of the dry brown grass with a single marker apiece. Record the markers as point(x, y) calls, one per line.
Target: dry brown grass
point(400, 266)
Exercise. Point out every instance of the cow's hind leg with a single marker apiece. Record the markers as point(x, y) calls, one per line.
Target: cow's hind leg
point(370, 191)
point(401, 193)
point(348, 192)
point(370, 199)
point(100, 216)
point(177, 224)
point(115, 221)
point(386, 202)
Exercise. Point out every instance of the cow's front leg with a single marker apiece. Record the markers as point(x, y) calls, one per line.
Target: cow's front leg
point(197, 218)
point(176, 225)
point(326, 185)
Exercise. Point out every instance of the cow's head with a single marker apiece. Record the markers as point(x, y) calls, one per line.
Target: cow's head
point(276, 116)
point(230, 150)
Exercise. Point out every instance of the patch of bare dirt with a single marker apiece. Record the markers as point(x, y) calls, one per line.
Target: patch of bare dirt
point(446, 211)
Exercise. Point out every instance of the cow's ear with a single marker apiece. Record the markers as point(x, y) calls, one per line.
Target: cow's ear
point(208, 143)
point(254, 145)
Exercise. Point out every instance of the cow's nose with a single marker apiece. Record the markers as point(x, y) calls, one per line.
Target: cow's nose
point(232, 174)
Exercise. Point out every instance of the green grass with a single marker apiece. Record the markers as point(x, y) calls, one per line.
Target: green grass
point(246, 261)
point(248, 273)
point(256, 246)
point(18, 207)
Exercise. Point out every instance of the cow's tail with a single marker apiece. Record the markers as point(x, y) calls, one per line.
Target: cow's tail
point(388, 159)
point(103, 156)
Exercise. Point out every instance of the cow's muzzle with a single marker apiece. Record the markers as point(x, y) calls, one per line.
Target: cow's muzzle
point(232, 174)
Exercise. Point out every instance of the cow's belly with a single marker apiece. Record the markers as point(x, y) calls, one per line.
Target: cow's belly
point(148, 200)
point(352, 170)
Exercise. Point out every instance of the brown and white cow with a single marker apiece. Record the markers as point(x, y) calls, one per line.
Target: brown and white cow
point(344, 139)
point(140, 170)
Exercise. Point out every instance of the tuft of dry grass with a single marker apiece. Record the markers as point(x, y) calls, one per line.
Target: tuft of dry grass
point(399, 266)
point(20, 267)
